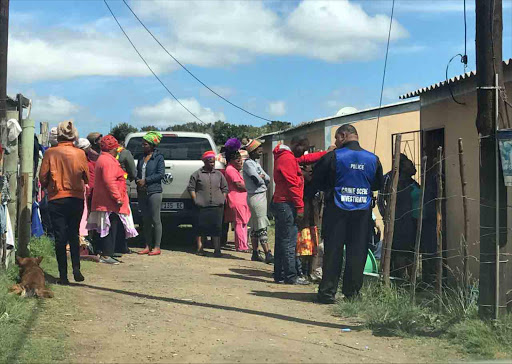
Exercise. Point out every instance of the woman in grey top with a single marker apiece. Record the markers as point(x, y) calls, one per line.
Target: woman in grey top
point(208, 189)
point(256, 182)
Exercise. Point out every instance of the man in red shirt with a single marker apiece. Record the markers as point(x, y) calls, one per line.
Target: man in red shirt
point(288, 207)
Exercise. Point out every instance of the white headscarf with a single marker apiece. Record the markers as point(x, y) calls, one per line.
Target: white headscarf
point(53, 137)
point(82, 143)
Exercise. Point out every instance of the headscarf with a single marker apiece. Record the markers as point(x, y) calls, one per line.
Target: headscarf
point(66, 132)
point(153, 137)
point(252, 145)
point(231, 147)
point(207, 155)
point(53, 137)
point(83, 143)
point(108, 142)
point(94, 137)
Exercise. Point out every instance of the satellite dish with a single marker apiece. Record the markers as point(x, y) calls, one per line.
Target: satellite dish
point(346, 110)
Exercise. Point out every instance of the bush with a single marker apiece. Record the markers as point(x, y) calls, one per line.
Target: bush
point(390, 311)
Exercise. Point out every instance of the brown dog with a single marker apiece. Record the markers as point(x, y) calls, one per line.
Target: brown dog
point(32, 279)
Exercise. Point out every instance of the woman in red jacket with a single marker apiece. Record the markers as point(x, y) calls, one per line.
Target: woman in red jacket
point(110, 212)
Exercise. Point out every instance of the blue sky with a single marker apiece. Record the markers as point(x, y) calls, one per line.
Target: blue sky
point(283, 60)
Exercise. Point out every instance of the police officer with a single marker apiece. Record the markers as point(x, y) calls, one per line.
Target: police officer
point(348, 175)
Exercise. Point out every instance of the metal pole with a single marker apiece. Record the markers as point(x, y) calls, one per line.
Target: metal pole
point(497, 259)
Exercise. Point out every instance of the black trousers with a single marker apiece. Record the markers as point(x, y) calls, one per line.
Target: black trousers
point(347, 229)
point(65, 215)
point(115, 235)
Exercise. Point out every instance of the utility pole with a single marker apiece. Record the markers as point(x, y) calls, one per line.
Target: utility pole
point(489, 29)
point(4, 38)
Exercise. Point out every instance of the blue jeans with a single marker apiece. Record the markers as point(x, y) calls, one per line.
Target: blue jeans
point(286, 242)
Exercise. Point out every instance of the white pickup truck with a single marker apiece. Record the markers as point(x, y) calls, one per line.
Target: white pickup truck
point(182, 152)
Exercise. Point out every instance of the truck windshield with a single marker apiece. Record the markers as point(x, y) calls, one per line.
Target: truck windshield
point(174, 148)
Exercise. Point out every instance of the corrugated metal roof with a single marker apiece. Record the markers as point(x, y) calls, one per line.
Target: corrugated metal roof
point(308, 123)
point(452, 80)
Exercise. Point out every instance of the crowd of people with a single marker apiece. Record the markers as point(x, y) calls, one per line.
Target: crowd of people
point(322, 203)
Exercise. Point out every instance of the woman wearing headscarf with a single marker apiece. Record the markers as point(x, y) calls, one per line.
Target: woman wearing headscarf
point(256, 182)
point(208, 189)
point(110, 212)
point(238, 209)
point(150, 172)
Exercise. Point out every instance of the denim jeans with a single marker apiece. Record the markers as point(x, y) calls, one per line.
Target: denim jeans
point(286, 242)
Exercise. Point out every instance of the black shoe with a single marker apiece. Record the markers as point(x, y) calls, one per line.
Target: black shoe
point(77, 275)
point(325, 300)
point(298, 282)
point(217, 254)
point(269, 258)
point(63, 282)
point(256, 257)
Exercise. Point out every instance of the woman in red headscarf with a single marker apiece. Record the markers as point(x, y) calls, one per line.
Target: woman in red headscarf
point(110, 212)
point(208, 189)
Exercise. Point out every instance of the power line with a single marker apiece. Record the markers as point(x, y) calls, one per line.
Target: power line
point(189, 72)
point(448, 81)
point(384, 74)
point(148, 66)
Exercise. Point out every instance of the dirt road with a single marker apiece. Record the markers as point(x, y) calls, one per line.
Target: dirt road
point(179, 307)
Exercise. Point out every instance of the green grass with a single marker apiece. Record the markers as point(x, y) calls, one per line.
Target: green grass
point(390, 312)
point(29, 331)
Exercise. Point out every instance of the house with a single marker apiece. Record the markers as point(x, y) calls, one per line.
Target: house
point(403, 117)
point(442, 122)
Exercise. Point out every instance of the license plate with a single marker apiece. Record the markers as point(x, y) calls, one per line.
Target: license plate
point(173, 205)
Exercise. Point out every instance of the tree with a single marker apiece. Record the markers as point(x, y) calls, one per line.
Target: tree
point(150, 128)
point(120, 131)
point(275, 125)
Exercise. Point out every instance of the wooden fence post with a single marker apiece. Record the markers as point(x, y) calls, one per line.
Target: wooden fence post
point(390, 214)
point(439, 219)
point(465, 274)
point(418, 230)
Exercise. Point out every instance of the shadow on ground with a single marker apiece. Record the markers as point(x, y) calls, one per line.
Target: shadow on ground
point(272, 315)
point(293, 296)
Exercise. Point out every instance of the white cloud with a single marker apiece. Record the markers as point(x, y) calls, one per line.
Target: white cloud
point(53, 108)
point(277, 108)
point(212, 33)
point(168, 112)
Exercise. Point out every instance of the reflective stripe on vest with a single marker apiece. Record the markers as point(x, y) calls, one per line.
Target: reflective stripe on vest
point(355, 173)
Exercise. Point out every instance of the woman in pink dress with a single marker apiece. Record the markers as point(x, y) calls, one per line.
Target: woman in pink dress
point(237, 200)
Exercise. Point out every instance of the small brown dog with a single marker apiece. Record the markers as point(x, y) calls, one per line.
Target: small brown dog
point(32, 279)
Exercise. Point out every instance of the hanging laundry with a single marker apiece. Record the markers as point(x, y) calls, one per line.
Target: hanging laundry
point(14, 129)
point(9, 236)
point(37, 226)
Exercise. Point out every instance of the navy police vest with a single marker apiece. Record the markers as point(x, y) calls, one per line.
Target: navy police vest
point(355, 172)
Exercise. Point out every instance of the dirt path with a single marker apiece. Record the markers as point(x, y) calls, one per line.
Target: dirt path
point(183, 308)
